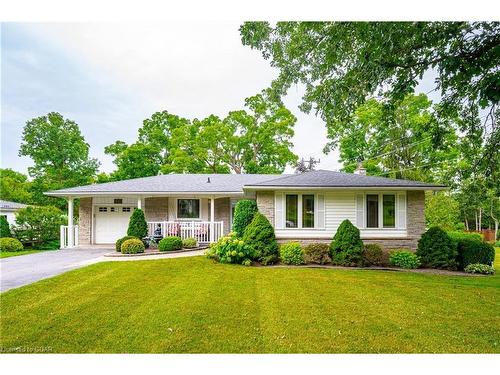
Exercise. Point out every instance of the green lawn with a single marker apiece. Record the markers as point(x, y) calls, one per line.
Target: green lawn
point(8, 254)
point(193, 305)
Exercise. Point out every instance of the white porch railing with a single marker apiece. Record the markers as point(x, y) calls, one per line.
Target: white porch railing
point(64, 237)
point(202, 231)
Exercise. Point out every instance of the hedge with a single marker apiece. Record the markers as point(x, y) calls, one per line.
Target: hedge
point(170, 243)
point(132, 246)
point(10, 244)
point(291, 253)
point(474, 251)
point(436, 250)
point(317, 253)
point(119, 242)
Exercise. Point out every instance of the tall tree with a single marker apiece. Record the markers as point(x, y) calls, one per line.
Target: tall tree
point(132, 161)
point(14, 186)
point(60, 155)
point(342, 64)
point(255, 140)
point(418, 146)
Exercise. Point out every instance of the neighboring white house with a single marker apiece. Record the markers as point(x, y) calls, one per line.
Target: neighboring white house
point(9, 210)
point(305, 207)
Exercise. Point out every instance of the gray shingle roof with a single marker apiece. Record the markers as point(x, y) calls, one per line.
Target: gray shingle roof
point(323, 178)
point(235, 183)
point(7, 205)
point(174, 183)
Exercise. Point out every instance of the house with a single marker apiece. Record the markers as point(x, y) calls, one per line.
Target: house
point(306, 207)
point(9, 210)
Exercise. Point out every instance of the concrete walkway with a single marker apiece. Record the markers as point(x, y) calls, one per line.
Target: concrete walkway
point(26, 269)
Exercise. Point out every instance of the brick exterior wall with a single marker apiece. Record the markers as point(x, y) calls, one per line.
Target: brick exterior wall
point(222, 209)
point(265, 204)
point(156, 208)
point(85, 221)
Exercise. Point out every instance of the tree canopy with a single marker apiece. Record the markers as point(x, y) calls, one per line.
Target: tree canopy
point(60, 155)
point(342, 64)
point(14, 186)
point(417, 147)
point(252, 140)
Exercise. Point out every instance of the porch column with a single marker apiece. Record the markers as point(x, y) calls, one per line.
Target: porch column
point(212, 219)
point(71, 239)
point(139, 203)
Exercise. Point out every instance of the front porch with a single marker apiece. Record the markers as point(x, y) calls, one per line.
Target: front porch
point(104, 219)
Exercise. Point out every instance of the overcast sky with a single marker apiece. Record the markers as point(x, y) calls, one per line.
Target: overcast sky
point(110, 77)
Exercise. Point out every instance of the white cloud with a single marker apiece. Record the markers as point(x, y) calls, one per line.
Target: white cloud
point(189, 68)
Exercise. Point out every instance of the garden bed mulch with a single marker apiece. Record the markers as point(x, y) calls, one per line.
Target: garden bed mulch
point(430, 271)
point(152, 252)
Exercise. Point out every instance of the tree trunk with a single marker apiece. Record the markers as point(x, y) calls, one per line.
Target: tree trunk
point(466, 223)
point(480, 219)
point(475, 214)
point(495, 220)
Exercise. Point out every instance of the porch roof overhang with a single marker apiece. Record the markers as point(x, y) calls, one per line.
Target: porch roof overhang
point(327, 188)
point(146, 194)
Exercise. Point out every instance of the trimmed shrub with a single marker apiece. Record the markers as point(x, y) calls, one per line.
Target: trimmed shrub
point(38, 225)
point(317, 253)
point(474, 251)
point(373, 255)
point(119, 242)
point(189, 243)
point(170, 243)
point(404, 259)
point(132, 246)
point(456, 236)
point(259, 235)
point(137, 226)
point(231, 249)
point(10, 244)
point(4, 227)
point(346, 249)
point(484, 269)
point(243, 215)
point(436, 250)
point(291, 253)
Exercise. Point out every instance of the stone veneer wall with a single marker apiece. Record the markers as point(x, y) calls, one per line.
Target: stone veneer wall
point(156, 208)
point(222, 212)
point(265, 204)
point(85, 221)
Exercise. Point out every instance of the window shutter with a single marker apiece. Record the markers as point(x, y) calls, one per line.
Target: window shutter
point(402, 211)
point(172, 202)
point(360, 211)
point(320, 212)
point(278, 210)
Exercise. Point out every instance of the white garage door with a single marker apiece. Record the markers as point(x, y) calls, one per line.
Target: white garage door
point(111, 223)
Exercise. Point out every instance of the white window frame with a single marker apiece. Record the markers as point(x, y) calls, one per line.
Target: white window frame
point(299, 208)
point(188, 218)
point(380, 195)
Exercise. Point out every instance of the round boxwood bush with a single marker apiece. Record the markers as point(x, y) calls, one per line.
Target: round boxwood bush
point(189, 243)
point(132, 246)
point(259, 234)
point(10, 244)
point(119, 242)
point(472, 251)
point(373, 255)
point(317, 253)
point(484, 269)
point(291, 253)
point(4, 227)
point(404, 259)
point(346, 249)
point(137, 226)
point(243, 215)
point(436, 250)
point(170, 243)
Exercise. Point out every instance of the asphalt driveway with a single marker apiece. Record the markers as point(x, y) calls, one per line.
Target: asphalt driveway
point(26, 269)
